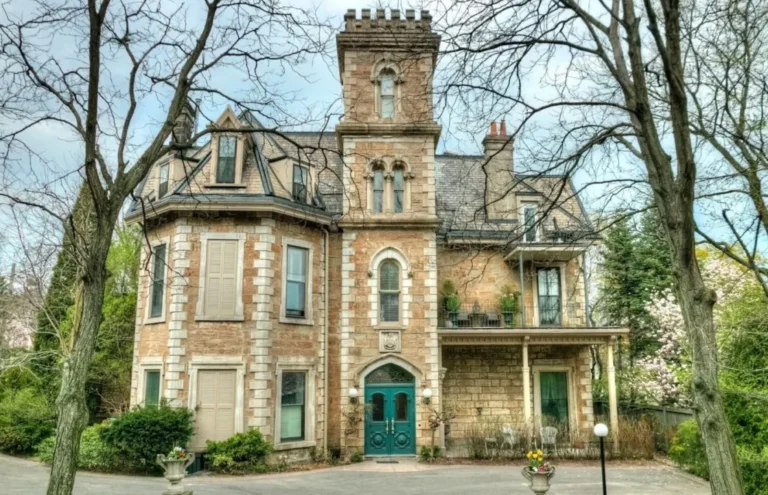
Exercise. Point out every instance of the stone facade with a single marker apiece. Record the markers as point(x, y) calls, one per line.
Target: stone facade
point(344, 337)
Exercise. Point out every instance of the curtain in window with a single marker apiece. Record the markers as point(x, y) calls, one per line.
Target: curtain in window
point(554, 397)
point(225, 169)
point(299, 184)
point(158, 282)
point(398, 189)
point(296, 282)
point(389, 291)
point(387, 94)
point(292, 406)
point(152, 389)
point(378, 190)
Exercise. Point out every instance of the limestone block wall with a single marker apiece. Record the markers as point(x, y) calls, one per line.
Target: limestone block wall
point(261, 341)
point(486, 382)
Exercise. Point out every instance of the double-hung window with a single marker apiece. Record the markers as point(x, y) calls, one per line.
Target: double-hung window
point(293, 399)
point(225, 167)
point(162, 188)
point(398, 189)
point(296, 282)
point(378, 190)
point(387, 89)
point(157, 290)
point(529, 223)
point(299, 184)
point(152, 388)
point(389, 292)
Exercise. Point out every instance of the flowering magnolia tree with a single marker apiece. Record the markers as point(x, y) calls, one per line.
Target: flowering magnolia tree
point(663, 376)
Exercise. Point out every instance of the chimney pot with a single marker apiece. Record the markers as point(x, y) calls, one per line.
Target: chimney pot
point(503, 131)
point(493, 128)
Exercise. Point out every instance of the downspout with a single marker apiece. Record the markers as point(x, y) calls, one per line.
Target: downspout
point(326, 236)
point(586, 289)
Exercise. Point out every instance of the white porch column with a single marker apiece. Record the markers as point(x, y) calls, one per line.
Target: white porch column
point(612, 401)
point(527, 391)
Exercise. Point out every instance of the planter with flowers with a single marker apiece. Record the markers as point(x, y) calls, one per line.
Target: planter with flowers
point(508, 305)
point(175, 466)
point(538, 472)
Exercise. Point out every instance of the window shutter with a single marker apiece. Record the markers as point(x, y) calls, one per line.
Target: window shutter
point(221, 278)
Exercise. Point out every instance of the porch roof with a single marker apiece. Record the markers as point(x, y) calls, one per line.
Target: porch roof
point(531, 336)
point(546, 251)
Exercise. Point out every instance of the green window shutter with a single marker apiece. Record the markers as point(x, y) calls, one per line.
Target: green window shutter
point(158, 282)
point(152, 389)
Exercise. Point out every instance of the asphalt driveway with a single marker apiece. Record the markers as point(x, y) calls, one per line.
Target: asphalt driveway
point(21, 477)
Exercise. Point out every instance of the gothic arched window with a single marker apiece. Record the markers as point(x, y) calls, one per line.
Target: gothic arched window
point(389, 292)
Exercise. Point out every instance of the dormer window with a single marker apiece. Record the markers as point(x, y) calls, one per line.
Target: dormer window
point(529, 223)
point(162, 188)
point(387, 94)
point(299, 184)
point(225, 167)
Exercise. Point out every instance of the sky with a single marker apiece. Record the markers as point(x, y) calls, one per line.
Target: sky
point(313, 87)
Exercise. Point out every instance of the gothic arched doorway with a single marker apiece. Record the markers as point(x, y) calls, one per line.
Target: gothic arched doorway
point(390, 413)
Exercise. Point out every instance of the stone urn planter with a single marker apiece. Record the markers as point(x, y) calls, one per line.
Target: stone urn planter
point(175, 467)
point(539, 479)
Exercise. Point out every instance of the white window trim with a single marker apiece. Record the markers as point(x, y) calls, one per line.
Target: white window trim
point(308, 319)
point(537, 369)
point(159, 178)
point(536, 222)
point(223, 363)
point(148, 320)
point(390, 253)
point(239, 159)
point(563, 292)
point(305, 169)
point(296, 364)
point(148, 364)
point(200, 308)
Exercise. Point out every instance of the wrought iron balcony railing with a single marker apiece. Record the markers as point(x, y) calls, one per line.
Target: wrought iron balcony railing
point(547, 314)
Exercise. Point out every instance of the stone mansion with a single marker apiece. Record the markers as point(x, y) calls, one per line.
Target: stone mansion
point(334, 289)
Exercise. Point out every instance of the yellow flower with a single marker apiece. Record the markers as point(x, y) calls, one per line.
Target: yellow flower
point(529, 455)
point(541, 458)
point(539, 453)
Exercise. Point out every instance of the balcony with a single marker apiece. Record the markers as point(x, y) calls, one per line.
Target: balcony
point(546, 314)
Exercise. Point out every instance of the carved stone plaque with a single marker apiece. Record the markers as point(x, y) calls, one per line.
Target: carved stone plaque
point(389, 341)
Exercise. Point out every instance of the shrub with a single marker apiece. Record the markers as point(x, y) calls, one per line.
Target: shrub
point(241, 453)
point(139, 435)
point(687, 449)
point(636, 438)
point(754, 471)
point(94, 453)
point(26, 419)
point(356, 457)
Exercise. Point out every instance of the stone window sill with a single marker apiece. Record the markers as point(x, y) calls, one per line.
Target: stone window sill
point(227, 186)
point(154, 321)
point(296, 321)
point(295, 445)
point(219, 318)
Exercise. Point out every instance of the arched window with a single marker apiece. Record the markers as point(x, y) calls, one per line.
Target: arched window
point(387, 93)
point(378, 189)
point(389, 292)
point(398, 188)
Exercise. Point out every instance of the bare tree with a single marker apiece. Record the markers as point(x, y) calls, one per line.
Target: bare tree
point(89, 70)
point(602, 87)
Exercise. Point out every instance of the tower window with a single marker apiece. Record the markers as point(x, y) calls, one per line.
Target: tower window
point(378, 190)
point(387, 80)
point(398, 189)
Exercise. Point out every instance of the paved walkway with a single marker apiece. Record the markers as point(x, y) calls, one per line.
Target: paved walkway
point(21, 477)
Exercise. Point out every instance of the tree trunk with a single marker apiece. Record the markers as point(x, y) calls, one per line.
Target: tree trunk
point(696, 302)
point(71, 403)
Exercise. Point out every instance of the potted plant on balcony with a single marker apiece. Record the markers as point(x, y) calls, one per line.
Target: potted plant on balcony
point(538, 472)
point(508, 305)
point(452, 304)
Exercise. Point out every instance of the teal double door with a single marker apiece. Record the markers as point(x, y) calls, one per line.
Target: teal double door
point(390, 420)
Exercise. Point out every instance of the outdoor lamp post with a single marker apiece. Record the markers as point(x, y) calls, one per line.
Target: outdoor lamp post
point(602, 431)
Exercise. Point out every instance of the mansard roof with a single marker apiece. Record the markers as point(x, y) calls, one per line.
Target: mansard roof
point(459, 180)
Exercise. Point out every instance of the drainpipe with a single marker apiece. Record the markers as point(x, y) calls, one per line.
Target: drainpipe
point(586, 289)
point(522, 288)
point(326, 236)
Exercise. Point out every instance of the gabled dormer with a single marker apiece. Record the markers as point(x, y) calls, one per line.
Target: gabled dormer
point(228, 149)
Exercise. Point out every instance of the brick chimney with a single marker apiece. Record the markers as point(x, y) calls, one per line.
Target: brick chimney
point(498, 164)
